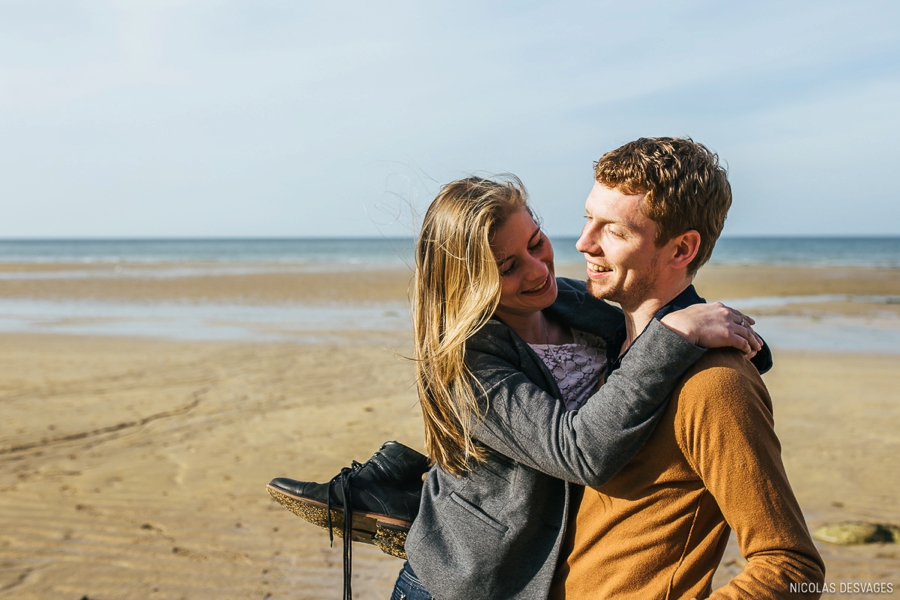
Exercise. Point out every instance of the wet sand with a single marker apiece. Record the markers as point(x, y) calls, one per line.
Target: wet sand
point(135, 468)
point(270, 284)
point(275, 283)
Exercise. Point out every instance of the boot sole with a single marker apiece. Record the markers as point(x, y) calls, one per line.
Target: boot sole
point(386, 533)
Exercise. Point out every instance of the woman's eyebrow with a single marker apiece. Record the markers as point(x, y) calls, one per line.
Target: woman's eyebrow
point(503, 260)
point(506, 258)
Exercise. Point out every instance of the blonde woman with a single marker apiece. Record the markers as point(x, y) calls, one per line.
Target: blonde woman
point(509, 363)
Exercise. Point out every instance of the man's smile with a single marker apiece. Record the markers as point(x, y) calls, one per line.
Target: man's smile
point(597, 271)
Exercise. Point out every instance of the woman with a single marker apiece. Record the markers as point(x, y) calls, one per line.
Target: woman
point(499, 420)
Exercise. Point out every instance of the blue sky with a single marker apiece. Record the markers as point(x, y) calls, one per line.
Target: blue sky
point(268, 119)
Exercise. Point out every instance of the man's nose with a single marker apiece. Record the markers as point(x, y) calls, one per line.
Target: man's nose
point(587, 242)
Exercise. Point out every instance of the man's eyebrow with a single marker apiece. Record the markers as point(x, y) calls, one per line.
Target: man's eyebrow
point(620, 222)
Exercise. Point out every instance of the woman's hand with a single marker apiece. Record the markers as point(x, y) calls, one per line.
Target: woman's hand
point(715, 326)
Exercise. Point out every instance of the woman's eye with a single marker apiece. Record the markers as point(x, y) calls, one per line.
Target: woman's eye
point(508, 270)
point(537, 244)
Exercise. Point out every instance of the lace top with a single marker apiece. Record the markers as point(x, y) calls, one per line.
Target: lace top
point(577, 367)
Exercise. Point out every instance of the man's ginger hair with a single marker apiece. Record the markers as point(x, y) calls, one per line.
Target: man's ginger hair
point(684, 185)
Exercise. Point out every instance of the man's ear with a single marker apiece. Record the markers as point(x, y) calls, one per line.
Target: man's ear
point(685, 246)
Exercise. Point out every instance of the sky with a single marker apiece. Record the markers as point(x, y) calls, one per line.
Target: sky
point(261, 118)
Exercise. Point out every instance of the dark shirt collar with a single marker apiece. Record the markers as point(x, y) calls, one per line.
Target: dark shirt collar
point(688, 297)
point(762, 361)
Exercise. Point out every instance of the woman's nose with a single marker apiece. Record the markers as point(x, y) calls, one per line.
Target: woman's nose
point(537, 268)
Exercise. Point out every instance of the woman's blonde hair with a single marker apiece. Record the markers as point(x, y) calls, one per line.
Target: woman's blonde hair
point(456, 290)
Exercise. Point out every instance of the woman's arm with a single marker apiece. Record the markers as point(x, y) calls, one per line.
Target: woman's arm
point(591, 445)
point(715, 326)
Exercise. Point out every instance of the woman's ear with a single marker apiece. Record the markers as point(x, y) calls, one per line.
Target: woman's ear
point(685, 246)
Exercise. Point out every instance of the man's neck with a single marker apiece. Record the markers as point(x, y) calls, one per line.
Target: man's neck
point(637, 317)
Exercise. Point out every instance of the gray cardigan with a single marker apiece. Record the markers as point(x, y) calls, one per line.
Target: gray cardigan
point(496, 532)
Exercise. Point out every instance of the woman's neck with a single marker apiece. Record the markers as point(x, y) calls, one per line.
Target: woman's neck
point(536, 328)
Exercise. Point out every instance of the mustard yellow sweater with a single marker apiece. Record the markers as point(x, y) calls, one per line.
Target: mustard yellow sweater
point(658, 529)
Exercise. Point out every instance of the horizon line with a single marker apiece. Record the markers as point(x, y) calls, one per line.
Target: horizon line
point(387, 238)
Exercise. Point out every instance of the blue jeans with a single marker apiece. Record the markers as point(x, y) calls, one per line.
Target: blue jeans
point(408, 587)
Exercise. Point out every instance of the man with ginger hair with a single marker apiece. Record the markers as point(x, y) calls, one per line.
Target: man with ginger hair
point(658, 529)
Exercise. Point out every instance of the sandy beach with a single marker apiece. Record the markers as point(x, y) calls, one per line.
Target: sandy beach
point(134, 467)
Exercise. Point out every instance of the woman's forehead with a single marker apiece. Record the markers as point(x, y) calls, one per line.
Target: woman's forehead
point(516, 232)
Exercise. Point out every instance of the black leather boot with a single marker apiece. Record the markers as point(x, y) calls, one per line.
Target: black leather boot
point(383, 493)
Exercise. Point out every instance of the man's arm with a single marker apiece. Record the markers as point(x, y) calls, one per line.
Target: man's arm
point(725, 428)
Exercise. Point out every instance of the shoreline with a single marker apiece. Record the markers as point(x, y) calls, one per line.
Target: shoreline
point(815, 308)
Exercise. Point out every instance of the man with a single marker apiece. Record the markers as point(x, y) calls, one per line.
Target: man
point(659, 528)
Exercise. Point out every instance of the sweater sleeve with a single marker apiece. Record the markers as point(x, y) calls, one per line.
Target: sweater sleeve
point(725, 428)
point(590, 445)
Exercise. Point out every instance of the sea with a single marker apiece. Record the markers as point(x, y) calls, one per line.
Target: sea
point(804, 251)
point(178, 320)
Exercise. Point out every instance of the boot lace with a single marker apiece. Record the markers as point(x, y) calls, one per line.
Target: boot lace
point(342, 480)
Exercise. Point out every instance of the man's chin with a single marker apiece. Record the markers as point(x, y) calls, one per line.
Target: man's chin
point(596, 290)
